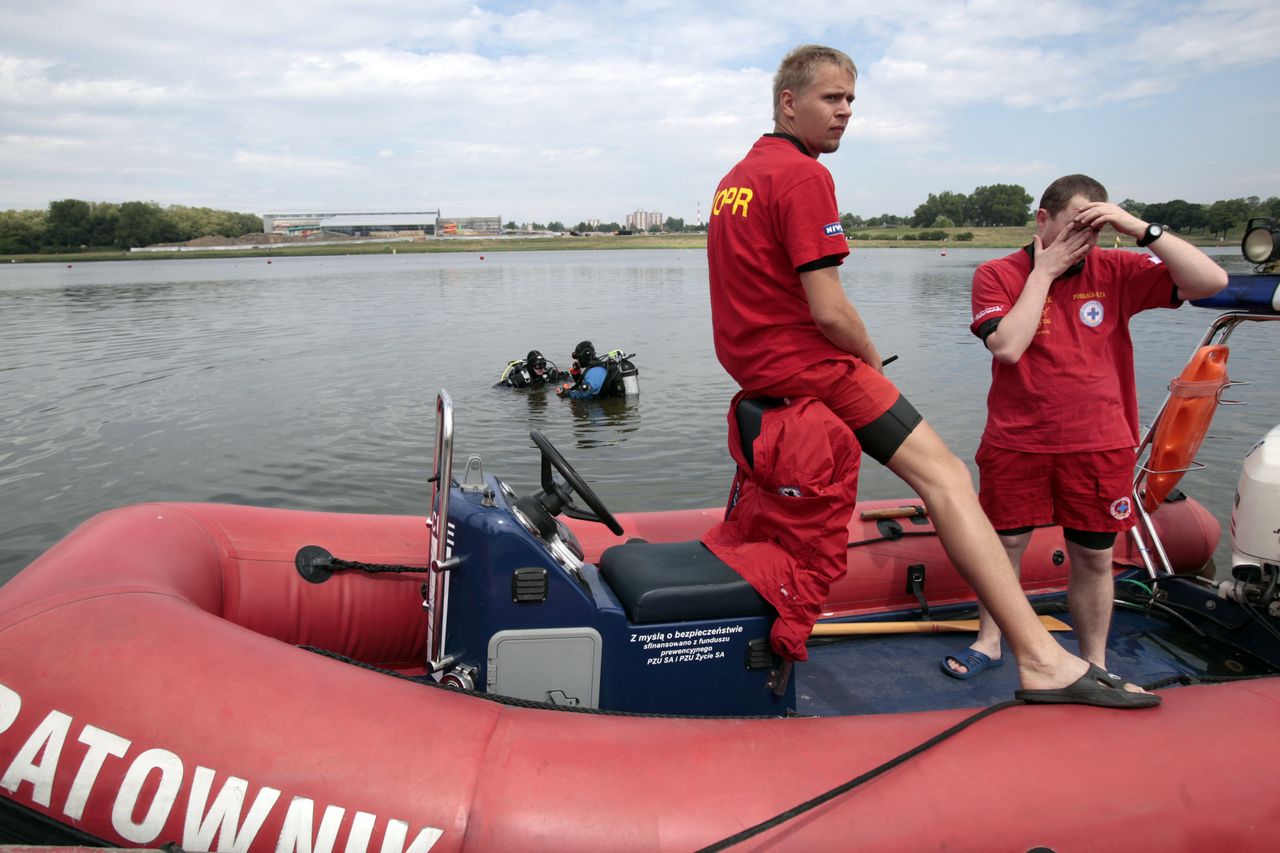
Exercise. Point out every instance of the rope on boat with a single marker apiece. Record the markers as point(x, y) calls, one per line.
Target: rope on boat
point(892, 537)
point(316, 565)
point(374, 568)
point(891, 531)
point(1186, 680)
point(809, 805)
point(795, 811)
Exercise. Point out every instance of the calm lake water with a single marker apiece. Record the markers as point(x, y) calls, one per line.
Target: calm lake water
point(311, 382)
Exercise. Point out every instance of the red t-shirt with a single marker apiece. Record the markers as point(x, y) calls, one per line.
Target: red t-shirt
point(1073, 389)
point(775, 211)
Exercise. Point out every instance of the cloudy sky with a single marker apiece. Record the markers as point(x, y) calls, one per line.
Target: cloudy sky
point(575, 110)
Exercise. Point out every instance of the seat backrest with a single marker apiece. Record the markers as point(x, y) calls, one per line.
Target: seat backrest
point(749, 416)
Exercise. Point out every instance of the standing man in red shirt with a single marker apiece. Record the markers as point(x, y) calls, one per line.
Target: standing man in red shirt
point(784, 327)
point(1062, 413)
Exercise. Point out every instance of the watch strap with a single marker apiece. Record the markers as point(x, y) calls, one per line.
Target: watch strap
point(1153, 233)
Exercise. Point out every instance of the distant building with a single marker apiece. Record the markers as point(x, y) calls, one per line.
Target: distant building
point(283, 223)
point(381, 224)
point(424, 223)
point(643, 220)
point(471, 225)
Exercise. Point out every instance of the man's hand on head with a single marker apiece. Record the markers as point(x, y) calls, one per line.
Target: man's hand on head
point(1071, 244)
point(1098, 214)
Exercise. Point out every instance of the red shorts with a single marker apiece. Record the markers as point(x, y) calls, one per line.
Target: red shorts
point(850, 388)
point(1091, 492)
point(870, 405)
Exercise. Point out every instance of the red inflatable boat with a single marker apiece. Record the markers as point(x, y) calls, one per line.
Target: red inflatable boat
point(154, 687)
point(508, 675)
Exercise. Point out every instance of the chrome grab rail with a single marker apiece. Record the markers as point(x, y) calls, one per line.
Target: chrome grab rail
point(437, 603)
point(1224, 324)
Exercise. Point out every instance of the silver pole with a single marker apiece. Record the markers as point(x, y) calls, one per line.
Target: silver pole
point(438, 522)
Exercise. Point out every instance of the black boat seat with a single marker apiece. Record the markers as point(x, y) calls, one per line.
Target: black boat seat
point(749, 416)
point(677, 582)
point(683, 581)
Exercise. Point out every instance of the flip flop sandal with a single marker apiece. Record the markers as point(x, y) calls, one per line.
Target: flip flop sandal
point(1096, 687)
point(974, 662)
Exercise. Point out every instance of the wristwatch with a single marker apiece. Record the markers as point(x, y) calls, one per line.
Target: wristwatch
point(1151, 235)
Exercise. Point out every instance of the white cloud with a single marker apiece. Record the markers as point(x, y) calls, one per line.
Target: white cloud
point(16, 144)
point(570, 110)
point(254, 161)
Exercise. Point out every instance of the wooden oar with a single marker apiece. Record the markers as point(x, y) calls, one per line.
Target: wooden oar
point(841, 629)
point(914, 511)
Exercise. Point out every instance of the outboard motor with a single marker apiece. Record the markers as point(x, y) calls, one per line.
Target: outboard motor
point(1255, 530)
point(1255, 517)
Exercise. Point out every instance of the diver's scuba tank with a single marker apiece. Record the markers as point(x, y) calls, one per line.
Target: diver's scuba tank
point(512, 369)
point(1255, 517)
point(628, 374)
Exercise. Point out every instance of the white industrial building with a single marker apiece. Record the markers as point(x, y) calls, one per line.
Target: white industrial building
point(423, 223)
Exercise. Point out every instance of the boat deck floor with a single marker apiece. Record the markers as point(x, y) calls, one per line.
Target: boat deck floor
point(891, 674)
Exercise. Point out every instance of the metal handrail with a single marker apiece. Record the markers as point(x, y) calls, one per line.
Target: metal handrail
point(1224, 324)
point(437, 603)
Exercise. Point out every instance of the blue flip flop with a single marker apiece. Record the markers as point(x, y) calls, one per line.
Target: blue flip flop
point(974, 662)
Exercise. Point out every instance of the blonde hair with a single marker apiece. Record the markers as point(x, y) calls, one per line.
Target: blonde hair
point(801, 65)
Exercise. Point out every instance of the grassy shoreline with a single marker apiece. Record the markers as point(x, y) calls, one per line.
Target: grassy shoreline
point(983, 238)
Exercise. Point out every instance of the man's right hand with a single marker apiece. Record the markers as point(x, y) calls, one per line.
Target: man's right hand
point(1069, 247)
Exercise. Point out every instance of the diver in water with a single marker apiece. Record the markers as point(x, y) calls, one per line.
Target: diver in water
point(533, 372)
point(594, 376)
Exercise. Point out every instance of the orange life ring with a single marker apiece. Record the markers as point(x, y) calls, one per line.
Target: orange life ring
point(1193, 398)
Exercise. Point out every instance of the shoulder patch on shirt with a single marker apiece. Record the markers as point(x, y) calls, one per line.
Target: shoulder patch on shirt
point(833, 229)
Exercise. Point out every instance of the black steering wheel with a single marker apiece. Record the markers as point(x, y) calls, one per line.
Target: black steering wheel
point(558, 497)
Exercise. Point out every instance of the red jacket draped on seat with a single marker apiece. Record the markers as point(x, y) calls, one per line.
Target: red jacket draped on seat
point(786, 531)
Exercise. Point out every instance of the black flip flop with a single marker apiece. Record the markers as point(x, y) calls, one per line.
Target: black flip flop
point(1096, 687)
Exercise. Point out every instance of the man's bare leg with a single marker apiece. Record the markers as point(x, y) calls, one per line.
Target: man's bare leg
point(939, 477)
point(988, 640)
point(1089, 596)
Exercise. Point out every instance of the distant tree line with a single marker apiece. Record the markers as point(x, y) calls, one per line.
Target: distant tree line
point(1215, 219)
point(72, 225)
point(1010, 205)
point(672, 224)
point(987, 207)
